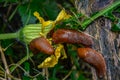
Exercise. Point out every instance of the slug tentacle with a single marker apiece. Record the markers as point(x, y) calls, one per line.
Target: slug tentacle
point(41, 44)
point(71, 36)
point(93, 58)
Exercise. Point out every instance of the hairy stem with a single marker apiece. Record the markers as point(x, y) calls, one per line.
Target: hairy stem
point(9, 35)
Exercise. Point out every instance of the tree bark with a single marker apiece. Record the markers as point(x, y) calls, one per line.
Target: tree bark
point(105, 41)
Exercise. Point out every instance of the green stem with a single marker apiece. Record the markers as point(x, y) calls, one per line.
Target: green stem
point(9, 35)
point(85, 23)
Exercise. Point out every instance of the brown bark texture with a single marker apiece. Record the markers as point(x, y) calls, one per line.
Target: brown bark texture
point(105, 41)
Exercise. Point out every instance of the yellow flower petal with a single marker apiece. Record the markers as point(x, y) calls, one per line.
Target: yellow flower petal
point(47, 26)
point(42, 21)
point(58, 50)
point(48, 62)
point(53, 59)
point(67, 16)
point(46, 23)
point(61, 16)
point(37, 15)
point(47, 29)
point(50, 40)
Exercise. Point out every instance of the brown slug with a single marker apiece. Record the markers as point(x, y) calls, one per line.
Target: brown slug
point(93, 58)
point(41, 44)
point(71, 36)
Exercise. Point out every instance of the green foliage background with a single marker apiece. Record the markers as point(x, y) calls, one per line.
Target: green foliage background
point(15, 14)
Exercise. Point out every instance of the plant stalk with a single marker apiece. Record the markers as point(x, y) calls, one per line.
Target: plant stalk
point(86, 22)
point(9, 35)
point(5, 62)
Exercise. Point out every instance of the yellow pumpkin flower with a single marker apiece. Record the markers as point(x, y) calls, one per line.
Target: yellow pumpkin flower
point(33, 31)
point(61, 16)
point(37, 15)
point(52, 60)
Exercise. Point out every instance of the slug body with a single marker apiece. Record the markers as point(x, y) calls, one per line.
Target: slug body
point(93, 58)
point(41, 45)
point(71, 36)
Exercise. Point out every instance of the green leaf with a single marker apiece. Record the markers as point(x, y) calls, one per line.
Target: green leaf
point(51, 10)
point(116, 27)
point(27, 66)
point(6, 43)
point(73, 75)
point(26, 78)
point(81, 77)
point(46, 8)
point(110, 16)
point(40, 77)
point(117, 9)
point(2, 0)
